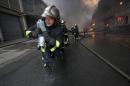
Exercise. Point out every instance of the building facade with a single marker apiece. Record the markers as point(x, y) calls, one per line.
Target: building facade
point(18, 15)
point(10, 20)
point(117, 16)
point(33, 10)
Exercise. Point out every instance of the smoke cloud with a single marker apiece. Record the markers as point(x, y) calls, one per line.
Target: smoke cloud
point(75, 11)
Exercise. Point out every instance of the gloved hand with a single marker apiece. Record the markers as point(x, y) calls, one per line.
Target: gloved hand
point(27, 33)
point(50, 41)
point(41, 25)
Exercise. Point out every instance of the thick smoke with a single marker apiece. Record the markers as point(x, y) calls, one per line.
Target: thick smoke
point(75, 11)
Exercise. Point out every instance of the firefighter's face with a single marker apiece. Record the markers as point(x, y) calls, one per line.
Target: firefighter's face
point(49, 21)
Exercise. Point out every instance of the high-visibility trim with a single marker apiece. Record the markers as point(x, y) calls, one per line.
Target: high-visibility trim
point(66, 34)
point(27, 33)
point(53, 49)
point(56, 46)
point(67, 39)
point(42, 50)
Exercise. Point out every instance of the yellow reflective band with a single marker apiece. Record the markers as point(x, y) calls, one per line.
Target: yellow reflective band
point(42, 50)
point(27, 33)
point(53, 49)
point(57, 43)
point(67, 39)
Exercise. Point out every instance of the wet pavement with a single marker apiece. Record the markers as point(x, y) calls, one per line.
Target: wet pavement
point(79, 68)
point(14, 52)
point(122, 39)
point(112, 51)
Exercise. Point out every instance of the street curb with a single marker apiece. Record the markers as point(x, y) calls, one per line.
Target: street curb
point(107, 62)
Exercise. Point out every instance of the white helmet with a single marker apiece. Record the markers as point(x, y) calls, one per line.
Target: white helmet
point(75, 25)
point(62, 21)
point(51, 11)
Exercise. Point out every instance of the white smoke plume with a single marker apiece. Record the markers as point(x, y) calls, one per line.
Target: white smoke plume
point(75, 11)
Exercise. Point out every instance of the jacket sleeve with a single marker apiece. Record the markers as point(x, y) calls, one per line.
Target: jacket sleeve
point(58, 41)
point(59, 37)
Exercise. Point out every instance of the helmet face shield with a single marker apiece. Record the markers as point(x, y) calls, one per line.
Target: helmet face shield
point(51, 11)
point(46, 12)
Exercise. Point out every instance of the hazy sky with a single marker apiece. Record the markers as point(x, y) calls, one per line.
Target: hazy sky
point(75, 11)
